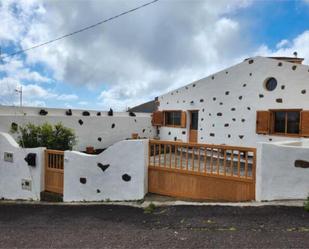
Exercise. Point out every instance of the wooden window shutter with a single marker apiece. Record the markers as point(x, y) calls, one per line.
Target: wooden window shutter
point(304, 126)
point(263, 122)
point(157, 118)
point(183, 123)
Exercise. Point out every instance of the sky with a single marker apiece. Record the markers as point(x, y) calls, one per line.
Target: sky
point(134, 58)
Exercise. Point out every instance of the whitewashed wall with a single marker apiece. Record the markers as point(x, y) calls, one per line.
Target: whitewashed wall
point(98, 131)
point(237, 93)
point(128, 157)
point(276, 175)
point(12, 173)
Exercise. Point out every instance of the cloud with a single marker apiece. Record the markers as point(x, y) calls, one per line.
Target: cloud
point(32, 94)
point(135, 57)
point(298, 44)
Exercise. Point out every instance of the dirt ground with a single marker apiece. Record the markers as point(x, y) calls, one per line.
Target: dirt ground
point(107, 226)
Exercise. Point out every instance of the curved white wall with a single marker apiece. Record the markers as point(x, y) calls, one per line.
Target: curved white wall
point(125, 178)
point(12, 173)
point(237, 87)
point(277, 177)
point(98, 131)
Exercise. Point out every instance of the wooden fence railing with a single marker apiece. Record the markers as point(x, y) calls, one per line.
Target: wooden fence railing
point(204, 159)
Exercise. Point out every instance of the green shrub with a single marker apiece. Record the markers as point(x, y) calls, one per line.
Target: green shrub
point(150, 208)
point(55, 137)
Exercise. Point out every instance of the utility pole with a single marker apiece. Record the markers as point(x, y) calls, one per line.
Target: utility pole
point(20, 91)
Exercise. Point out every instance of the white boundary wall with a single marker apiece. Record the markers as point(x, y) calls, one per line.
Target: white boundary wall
point(125, 157)
point(276, 176)
point(97, 131)
point(12, 173)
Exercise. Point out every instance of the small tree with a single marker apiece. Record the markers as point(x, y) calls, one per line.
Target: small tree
point(55, 137)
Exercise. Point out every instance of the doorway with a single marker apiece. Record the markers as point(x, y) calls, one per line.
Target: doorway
point(193, 126)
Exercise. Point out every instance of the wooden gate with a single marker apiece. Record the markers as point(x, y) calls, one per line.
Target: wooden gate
point(202, 171)
point(54, 162)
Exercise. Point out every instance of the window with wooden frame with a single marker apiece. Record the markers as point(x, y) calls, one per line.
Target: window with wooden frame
point(175, 119)
point(283, 122)
point(172, 118)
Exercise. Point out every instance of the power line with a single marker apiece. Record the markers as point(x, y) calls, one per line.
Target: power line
point(80, 30)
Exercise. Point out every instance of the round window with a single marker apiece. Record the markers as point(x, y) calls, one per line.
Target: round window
point(271, 84)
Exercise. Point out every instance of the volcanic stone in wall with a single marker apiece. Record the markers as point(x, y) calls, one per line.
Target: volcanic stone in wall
point(43, 112)
point(279, 100)
point(227, 93)
point(212, 134)
point(132, 114)
point(86, 113)
point(282, 87)
point(98, 191)
point(83, 180)
point(98, 113)
point(103, 167)
point(183, 132)
point(68, 112)
point(126, 177)
point(143, 130)
point(110, 112)
point(80, 122)
point(14, 127)
point(201, 100)
point(301, 164)
point(219, 114)
point(244, 85)
point(261, 95)
point(241, 136)
point(303, 91)
point(113, 126)
point(99, 139)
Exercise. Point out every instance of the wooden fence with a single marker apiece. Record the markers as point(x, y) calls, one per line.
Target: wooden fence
point(54, 164)
point(202, 171)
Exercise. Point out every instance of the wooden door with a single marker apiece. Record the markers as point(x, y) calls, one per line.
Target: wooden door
point(54, 164)
point(193, 126)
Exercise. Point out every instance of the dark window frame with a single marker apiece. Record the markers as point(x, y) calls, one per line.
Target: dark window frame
point(286, 122)
point(174, 118)
point(271, 84)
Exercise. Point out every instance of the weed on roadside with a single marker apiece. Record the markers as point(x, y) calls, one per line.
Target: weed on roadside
point(306, 204)
point(150, 209)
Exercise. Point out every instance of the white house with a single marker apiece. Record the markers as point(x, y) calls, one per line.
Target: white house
point(237, 135)
point(258, 100)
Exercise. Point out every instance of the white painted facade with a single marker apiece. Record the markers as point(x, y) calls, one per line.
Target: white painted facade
point(277, 178)
point(237, 87)
point(125, 158)
point(97, 131)
point(12, 174)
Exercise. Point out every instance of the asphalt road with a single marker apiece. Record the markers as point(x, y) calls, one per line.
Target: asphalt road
point(101, 226)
